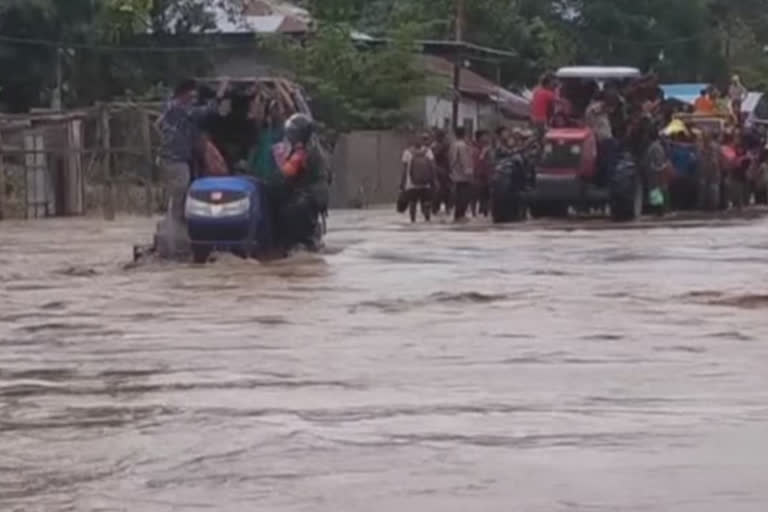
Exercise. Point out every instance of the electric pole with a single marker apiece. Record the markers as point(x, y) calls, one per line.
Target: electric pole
point(457, 63)
point(56, 101)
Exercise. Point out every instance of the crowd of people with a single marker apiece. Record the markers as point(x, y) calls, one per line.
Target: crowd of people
point(626, 116)
point(704, 159)
point(452, 174)
point(713, 101)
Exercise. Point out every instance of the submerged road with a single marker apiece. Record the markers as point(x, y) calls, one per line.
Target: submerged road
point(426, 368)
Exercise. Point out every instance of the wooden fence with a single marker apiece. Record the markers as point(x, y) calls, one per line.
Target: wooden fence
point(101, 160)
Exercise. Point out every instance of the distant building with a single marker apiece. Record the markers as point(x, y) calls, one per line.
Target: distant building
point(262, 17)
point(482, 103)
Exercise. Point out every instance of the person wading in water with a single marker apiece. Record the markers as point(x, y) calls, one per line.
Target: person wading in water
point(419, 177)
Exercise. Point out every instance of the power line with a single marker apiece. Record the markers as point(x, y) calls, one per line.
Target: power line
point(48, 43)
point(665, 42)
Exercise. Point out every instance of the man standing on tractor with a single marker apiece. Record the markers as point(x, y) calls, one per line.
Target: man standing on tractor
point(598, 119)
point(182, 140)
point(737, 93)
point(543, 104)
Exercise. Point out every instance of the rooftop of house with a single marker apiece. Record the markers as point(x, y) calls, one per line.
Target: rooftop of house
point(471, 83)
point(262, 17)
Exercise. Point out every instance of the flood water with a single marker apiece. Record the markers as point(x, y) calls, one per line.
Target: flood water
point(426, 368)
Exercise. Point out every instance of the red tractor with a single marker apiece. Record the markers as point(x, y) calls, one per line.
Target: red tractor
point(570, 172)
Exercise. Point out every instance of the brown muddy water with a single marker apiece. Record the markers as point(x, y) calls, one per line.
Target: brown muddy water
point(426, 368)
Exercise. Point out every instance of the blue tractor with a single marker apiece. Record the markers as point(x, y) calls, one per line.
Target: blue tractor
point(229, 214)
point(239, 213)
point(232, 214)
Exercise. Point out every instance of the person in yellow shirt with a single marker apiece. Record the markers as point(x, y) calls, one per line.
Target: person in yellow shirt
point(721, 103)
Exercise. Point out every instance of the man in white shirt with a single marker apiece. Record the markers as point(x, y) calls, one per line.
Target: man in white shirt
point(419, 177)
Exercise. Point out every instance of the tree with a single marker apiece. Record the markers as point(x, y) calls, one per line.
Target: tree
point(87, 35)
point(353, 87)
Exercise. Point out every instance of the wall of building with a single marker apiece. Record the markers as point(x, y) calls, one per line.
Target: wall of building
point(367, 168)
point(439, 111)
point(247, 62)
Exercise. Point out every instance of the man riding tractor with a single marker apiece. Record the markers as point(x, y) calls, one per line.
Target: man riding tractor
point(582, 164)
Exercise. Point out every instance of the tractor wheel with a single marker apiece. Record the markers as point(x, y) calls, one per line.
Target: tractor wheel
point(201, 254)
point(627, 196)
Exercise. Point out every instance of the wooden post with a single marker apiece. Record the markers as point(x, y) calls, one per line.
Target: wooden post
point(75, 179)
point(146, 144)
point(457, 62)
point(109, 192)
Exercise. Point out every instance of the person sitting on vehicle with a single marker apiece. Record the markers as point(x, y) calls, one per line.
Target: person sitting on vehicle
point(305, 186)
point(737, 93)
point(268, 154)
point(597, 117)
point(617, 108)
point(543, 104)
point(419, 177)
point(704, 104)
point(721, 103)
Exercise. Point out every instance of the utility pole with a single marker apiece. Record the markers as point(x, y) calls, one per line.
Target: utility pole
point(57, 94)
point(457, 63)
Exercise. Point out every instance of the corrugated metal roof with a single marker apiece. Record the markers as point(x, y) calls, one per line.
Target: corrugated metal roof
point(474, 84)
point(750, 103)
point(598, 72)
point(687, 93)
point(261, 17)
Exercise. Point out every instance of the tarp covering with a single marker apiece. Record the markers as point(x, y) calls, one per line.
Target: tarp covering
point(750, 103)
point(687, 93)
point(675, 127)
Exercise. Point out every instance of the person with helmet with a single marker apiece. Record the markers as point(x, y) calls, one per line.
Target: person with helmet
point(304, 195)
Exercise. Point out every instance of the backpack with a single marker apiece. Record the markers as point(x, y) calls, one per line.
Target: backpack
point(421, 168)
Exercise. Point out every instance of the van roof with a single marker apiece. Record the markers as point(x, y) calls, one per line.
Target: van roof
point(598, 72)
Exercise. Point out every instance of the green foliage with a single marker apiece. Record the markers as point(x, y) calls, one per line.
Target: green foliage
point(683, 40)
point(88, 29)
point(353, 87)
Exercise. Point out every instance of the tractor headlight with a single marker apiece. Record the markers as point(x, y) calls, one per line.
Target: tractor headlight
point(197, 208)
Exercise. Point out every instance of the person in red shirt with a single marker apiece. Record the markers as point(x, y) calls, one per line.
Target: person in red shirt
point(543, 104)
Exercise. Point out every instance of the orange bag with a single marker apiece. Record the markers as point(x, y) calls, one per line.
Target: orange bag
point(215, 165)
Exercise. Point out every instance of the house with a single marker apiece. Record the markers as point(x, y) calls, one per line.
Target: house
point(482, 103)
point(237, 24)
point(262, 17)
